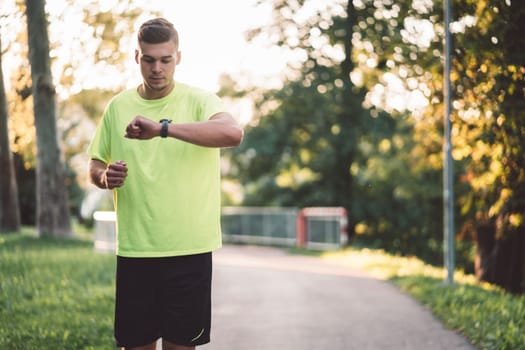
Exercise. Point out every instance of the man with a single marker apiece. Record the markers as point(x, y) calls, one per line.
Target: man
point(157, 147)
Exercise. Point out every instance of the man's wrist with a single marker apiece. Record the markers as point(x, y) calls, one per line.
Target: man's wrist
point(164, 127)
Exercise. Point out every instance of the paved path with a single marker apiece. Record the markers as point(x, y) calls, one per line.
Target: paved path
point(266, 299)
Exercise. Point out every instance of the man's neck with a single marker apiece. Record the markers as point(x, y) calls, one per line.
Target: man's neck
point(150, 94)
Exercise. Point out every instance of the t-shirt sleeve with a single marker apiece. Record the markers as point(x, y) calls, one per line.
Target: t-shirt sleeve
point(99, 148)
point(211, 106)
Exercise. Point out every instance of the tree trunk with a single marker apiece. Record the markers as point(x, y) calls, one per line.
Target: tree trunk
point(9, 208)
point(52, 213)
point(509, 262)
point(501, 260)
point(485, 235)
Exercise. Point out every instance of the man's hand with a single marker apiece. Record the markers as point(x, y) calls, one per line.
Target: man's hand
point(141, 128)
point(107, 176)
point(115, 175)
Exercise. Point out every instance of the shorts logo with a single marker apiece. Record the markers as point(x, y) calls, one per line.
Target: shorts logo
point(198, 336)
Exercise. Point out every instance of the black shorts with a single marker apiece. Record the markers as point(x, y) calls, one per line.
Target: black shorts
point(163, 297)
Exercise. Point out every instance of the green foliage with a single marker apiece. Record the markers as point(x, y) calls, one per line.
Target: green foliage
point(491, 319)
point(301, 147)
point(365, 144)
point(55, 294)
point(296, 149)
point(489, 82)
point(318, 141)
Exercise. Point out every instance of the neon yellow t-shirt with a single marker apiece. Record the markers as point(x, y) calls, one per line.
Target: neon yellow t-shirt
point(169, 204)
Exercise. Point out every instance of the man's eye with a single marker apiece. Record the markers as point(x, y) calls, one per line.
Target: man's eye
point(166, 60)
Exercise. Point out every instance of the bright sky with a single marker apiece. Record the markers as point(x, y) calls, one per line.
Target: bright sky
point(212, 40)
point(211, 36)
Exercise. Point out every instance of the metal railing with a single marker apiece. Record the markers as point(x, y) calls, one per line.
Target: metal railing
point(260, 225)
point(314, 228)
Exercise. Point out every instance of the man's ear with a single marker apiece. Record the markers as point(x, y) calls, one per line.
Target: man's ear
point(137, 55)
point(179, 56)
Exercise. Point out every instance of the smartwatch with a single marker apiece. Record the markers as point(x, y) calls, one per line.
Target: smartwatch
point(164, 128)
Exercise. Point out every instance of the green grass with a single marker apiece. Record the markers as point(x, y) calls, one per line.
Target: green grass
point(490, 318)
point(55, 294)
point(59, 294)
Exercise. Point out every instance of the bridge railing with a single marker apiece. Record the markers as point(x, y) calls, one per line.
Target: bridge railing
point(314, 228)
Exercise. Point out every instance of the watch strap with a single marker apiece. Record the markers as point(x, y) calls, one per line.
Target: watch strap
point(164, 127)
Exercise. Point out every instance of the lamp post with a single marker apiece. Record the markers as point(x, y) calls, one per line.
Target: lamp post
point(448, 180)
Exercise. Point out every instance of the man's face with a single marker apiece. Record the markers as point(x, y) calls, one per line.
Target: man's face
point(157, 66)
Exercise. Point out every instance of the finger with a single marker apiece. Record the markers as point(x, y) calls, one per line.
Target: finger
point(114, 179)
point(114, 183)
point(116, 170)
point(118, 184)
point(118, 167)
point(133, 128)
point(122, 166)
point(132, 134)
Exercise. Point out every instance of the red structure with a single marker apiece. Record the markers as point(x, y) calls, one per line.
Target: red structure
point(338, 214)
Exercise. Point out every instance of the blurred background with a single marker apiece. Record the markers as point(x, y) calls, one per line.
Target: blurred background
point(342, 104)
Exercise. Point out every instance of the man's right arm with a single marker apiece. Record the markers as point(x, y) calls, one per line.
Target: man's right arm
point(107, 176)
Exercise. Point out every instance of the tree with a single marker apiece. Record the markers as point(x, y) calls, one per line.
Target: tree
point(489, 81)
point(301, 150)
point(9, 208)
point(318, 141)
point(53, 216)
point(488, 119)
point(99, 44)
point(394, 146)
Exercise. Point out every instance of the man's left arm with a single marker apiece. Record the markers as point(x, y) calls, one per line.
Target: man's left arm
point(221, 130)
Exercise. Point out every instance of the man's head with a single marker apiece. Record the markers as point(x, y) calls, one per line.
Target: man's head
point(157, 55)
point(158, 30)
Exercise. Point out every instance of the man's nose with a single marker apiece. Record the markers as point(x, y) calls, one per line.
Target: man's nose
point(157, 66)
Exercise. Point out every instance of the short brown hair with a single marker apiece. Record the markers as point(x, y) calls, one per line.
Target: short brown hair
point(158, 30)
